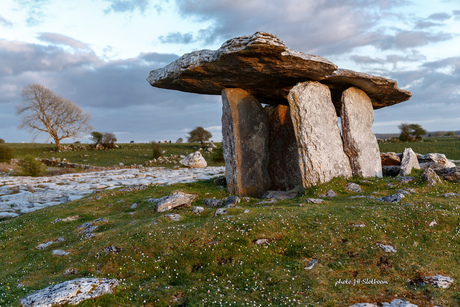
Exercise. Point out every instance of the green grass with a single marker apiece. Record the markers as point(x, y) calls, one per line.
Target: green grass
point(448, 146)
point(128, 154)
point(211, 261)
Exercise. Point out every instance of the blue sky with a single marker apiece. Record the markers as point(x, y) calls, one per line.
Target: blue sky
point(98, 53)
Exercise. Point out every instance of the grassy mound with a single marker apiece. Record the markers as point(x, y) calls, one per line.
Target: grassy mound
point(203, 260)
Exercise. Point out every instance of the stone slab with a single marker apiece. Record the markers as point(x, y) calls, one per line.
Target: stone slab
point(245, 143)
point(321, 155)
point(359, 142)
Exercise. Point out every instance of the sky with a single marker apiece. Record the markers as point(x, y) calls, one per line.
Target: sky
point(98, 53)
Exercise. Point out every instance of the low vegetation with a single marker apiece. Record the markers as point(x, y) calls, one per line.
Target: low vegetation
point(450, 146)
point(203, 260)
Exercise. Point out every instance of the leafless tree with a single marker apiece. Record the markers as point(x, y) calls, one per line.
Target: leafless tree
point(44, 111)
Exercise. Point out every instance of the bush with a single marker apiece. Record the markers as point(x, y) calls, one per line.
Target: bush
point(6, 153)
point(156, 149)
point(2, 141)
point(31, 166)
point(179, 140)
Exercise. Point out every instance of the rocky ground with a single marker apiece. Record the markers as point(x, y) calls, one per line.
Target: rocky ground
point(19, 195)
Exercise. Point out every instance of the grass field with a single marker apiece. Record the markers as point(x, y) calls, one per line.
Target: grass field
point(203, 260)
point(448, 146)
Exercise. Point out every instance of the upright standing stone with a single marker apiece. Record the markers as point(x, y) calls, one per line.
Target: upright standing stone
point(408, 162)
point(283, 167)
point(321, 155)
point(245, 143)
point(359, 143)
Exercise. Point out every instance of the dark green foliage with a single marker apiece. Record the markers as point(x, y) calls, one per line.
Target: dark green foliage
point(180, 140)
point(2, 141)
point(96, 137)
point(108, 140)
point(450, 133)
point(218, 154)
point(6, 153)
point(199, 134)
point(31, 167)
point(411, 132)
point(156, 149)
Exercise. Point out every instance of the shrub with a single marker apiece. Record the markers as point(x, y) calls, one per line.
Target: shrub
point(156, 149)
point(2, 141)
point(31, 166)
point(108, 140)
point(179, 140)
point(450, 133)
point(96, 137)
point(6, 153)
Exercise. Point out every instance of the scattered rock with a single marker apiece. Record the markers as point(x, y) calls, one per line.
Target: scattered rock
point(246, 211)
point(431, 177)
point(433, 223)
point(451, 174)
point(353, 187)
point(194, 160)
point(246, 199)
point(407, 191)
point(60, 252)
point(391, 170)
point(71, 271)
point(212, 202)
point(394, 303)
point(175, 200)
point(7, 215)
point(436, 158)
point(390, 158)
point(70, 292)
point(440, 281)
point(173, 216)
point(232, 200)
point(361, 225)
point(67, 219)
point(264, 202)
point(220, 211)
point(134, 206)
point(408, 162)
point(46, 244)
point(329, 193)
point(311, 264)
point(314, 200)
point(260, 241)
point(405, 179)
point(387, 248)
point(395, 198)
point(279, 195)
point(450, 194)
point(87, 229)
point(112, 249)
point(197, 210)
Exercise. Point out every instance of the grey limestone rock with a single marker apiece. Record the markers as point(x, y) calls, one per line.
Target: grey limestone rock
point(451, 173)
point(194, 160)
point(440, 281)
point(197, 210)
point(353, 187)
point(394, 198)
point(220, 211)
point(387, 248)
point(321, 155)
point(359, 142)
point(245, 143)
point(232, 200)
point(431, 177)
point(7, 215)
point(60, 252)
point(212, 202)
point(314, 200)
point(394, 303)
point(409, 161)
point(279, 195)
point(70, 292)
point(175, 200)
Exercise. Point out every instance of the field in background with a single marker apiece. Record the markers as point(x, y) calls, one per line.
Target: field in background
point(448, 146)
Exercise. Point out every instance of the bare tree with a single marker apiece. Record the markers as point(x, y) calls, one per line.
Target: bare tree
point(44, 111)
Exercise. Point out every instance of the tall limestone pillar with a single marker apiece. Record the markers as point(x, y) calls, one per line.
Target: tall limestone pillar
point(359, 142)
point(283, 167)
point(245, 143)
point(321, 155)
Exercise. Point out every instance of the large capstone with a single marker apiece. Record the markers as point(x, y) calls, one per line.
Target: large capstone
point(262, 65)
point(321, 155)
point(245, 143)
point(359, 142)
point(283, 167)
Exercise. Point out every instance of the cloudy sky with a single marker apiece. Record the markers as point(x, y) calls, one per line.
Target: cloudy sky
point(98, 54)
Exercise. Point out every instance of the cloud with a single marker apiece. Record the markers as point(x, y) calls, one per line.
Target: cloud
point(122, 6)
point(60, 39)
point(410, 39)
point(439, 16)
point(177, 38)
point(5, 23)
point(423, 24)
point(412, 56)
point(35, 10)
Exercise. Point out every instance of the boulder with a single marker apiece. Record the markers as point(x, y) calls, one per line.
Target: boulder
point(175, 200)
point(394, 198)
point(359, 142)
point(321, 155)
point(451, 174)
point(245, 143)
point(391, 170)
point(390, 158)
point(440, 281)
point(212, 202)
point(353, 187)
point(437, 158)
point(283, 166)
point(70, 292)
point(194, 160)
point(431, 177)
point(408, 162)
point(262, 65)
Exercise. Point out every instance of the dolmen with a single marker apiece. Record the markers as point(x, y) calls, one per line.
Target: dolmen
point(280, 112)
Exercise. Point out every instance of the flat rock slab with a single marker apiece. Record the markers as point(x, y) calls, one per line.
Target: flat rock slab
point(359, 142)
point(70, 292)
point(175, 200)
point(321, 155)
point(451, 173)
point(262, 65)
